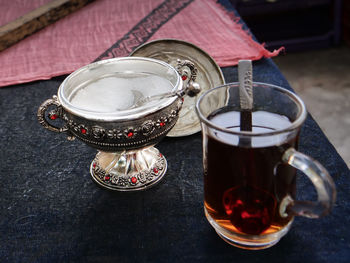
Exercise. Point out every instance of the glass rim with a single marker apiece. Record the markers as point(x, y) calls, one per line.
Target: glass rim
point(302, 114)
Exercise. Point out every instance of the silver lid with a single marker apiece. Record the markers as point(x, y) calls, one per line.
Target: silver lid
point(209, 75)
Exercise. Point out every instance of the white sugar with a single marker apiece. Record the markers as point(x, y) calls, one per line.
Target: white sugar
point(118, 92)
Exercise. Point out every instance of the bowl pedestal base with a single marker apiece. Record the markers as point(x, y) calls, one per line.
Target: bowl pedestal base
point(128, 170)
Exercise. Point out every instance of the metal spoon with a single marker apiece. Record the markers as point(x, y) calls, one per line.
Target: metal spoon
point(142, 101)
point(191, 90)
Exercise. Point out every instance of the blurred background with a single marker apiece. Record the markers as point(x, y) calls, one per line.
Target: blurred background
point(316, 61)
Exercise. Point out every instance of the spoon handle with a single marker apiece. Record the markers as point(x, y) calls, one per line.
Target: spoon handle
point(160, 96)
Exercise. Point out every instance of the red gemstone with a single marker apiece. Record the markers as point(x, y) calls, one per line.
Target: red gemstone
point(83, 131)
point(155, 170)
point(53, 117)
point(107, 178)
point(94, 165)
point(133, 180)
point(130, 134)
point(161, 124)
point(160, 155)
point(184, 77)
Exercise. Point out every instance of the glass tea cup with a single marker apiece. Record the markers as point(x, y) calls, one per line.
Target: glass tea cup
point(250, 175)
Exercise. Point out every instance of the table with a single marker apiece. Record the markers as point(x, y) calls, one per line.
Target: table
point(51, 210)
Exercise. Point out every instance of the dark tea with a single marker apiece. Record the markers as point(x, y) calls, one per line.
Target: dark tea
point(244, 184)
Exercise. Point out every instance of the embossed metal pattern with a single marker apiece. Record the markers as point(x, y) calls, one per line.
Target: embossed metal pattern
point(52, 115)
point(130, 182)
point(116, 136)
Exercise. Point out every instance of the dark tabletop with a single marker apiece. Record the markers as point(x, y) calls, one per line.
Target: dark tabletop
point(52, 211)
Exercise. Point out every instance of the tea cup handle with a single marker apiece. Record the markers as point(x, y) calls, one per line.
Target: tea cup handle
point(320, 178)
point(52, 115)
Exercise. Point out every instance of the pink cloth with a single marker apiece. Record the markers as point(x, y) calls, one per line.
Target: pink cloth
point(84, 35)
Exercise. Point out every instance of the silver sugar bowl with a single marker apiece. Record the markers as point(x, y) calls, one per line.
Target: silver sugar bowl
point(124, 136)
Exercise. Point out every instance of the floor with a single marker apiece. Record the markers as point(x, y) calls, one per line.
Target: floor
point(322, 79)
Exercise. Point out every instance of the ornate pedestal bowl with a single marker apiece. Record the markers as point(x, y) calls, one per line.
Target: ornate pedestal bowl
point(94, 104)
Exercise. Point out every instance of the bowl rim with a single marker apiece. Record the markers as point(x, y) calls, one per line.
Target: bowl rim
point(124, 115)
